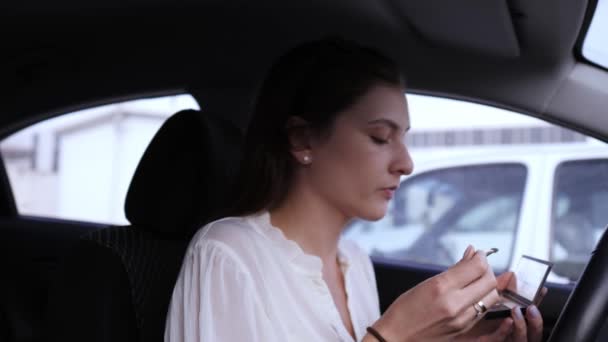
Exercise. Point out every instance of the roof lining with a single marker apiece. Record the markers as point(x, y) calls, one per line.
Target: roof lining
point(483, 26)
point(168, 56)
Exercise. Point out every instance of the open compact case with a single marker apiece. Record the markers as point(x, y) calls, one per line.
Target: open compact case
point(523, 289)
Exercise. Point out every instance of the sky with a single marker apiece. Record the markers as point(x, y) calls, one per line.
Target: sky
point(428, 113)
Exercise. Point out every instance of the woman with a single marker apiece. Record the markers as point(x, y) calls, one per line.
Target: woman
point(325, 145)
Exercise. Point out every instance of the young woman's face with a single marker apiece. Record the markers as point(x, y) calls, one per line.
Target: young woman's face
point(357, 167)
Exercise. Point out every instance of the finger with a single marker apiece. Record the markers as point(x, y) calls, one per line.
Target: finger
point(483, 289)
point(488, 301)
point(491, 299)
point(520, 329)
point(535, 324)
point(500, 334)
point(468, 253)
point(465, 272)
point(503, 280)
point(471, 315)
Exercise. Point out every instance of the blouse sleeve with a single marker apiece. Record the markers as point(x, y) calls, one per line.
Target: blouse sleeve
point(214, 299)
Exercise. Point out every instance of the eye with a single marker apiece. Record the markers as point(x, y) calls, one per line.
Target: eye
point(378, 141)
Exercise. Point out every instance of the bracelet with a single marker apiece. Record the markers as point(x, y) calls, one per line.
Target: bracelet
point(376, 334)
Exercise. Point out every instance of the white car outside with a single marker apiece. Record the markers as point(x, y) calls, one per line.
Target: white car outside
point(516, 202)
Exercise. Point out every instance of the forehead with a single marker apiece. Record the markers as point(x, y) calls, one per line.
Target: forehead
point(380, 102)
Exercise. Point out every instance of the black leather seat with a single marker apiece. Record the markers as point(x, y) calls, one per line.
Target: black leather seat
point(117, 282)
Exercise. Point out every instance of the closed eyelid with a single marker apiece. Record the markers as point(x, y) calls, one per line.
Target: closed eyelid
point(389, 124)
point(381, 129)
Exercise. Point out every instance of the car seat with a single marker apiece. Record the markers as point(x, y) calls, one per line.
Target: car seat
point(116, 283)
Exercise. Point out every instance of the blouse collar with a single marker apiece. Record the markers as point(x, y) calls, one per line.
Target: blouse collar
point(307, 263)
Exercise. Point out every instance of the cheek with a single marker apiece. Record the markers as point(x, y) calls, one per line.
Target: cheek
point(351, 173)
point(345, 164)
point(350, 182)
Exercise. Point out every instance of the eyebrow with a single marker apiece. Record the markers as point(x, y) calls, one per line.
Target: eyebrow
point(393, 125)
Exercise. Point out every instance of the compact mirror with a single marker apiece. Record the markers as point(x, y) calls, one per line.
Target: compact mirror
point(523, 289)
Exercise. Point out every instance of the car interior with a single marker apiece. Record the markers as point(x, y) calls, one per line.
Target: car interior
point(69, 280)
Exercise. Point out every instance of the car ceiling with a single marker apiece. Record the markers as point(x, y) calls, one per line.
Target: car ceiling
point(63, 55)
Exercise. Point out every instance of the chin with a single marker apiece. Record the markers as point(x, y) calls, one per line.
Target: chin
point(374, 213)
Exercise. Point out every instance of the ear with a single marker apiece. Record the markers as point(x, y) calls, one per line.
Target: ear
point(299, 136)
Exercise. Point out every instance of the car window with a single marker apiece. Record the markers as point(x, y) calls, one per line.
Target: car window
point(497, 214)
point(484, 176)
point(579, 214)
point(594, 45)
point(437, 214)
point(79, 165)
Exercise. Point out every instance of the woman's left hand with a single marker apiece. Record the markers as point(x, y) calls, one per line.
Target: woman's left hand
point(514, 328)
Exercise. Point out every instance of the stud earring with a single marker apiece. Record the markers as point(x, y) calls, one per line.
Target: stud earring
point(306, 159)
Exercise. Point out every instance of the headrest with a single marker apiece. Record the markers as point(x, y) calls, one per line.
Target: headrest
point(184, 176)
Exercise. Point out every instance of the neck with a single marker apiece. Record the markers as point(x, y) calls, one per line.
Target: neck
point(309, 220)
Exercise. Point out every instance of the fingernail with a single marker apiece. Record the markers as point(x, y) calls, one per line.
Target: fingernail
point(533, 311)
point(518, 313)
point(466, 251)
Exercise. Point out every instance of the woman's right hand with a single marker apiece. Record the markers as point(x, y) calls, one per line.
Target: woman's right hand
point(442, 306)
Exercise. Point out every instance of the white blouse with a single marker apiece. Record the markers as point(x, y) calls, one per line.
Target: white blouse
point(242, 280)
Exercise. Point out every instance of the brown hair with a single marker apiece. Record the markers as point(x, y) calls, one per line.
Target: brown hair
point(313, 81)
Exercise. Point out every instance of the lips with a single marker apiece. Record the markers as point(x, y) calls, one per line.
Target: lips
point(389, 192)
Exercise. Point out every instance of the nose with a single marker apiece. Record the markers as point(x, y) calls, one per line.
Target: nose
point(402, 163)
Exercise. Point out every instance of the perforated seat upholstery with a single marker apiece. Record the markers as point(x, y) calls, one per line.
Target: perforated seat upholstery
point(117, 282)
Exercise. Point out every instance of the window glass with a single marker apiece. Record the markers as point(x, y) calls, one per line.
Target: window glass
point(595, 46)
point(579, 213)
point(482, 176)
point(437, 214)
point(79, 165)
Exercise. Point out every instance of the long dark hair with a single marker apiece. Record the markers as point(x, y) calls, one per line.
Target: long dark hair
point(313, 81)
